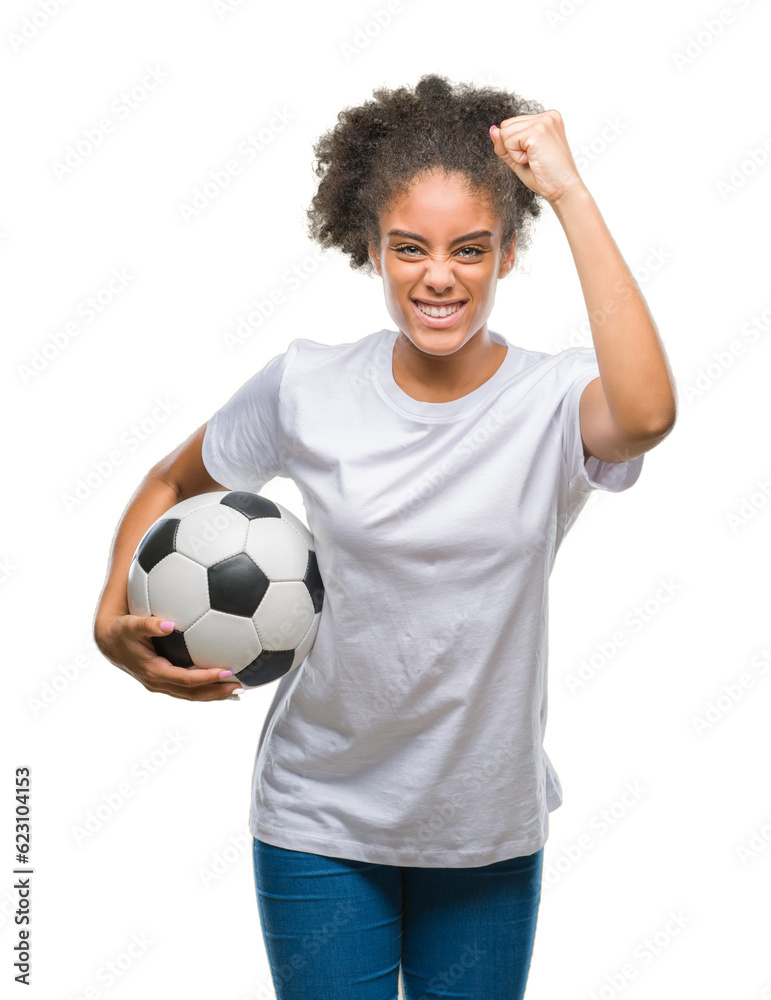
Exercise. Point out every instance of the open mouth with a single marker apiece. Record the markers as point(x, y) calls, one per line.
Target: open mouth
point(438, 315)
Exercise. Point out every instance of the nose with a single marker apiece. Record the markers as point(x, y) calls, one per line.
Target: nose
point(439, 276)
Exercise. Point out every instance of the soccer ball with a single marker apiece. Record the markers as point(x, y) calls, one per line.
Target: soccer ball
point(237, 573)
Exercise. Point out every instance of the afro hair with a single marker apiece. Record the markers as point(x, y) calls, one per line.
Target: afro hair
point(376, 150)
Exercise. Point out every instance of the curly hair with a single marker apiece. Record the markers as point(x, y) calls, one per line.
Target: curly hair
point(376, 150)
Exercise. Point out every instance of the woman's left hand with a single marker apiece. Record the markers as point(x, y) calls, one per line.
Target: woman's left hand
point(535, 148)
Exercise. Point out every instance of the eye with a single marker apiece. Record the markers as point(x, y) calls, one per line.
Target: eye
point(475, 251)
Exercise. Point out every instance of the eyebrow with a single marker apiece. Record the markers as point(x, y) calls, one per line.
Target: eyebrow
point(421, 239)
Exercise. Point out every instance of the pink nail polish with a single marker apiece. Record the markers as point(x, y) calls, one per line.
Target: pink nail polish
point(167, 626)
point(491, 131)
point(226, 673)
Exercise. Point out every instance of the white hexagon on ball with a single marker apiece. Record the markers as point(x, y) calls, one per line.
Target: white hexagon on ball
point(277, 549)
point(222, 640)
point(211, 533)
point(306, 643)
point(185, 507)
point(284, 615)
point(138, 599)
point(178, 589)
point(297, 524)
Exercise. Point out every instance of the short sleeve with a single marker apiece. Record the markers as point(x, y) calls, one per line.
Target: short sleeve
point(578, 369)
point(242, 443)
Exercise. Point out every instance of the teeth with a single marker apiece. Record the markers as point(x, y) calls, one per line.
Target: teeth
point(438, 313)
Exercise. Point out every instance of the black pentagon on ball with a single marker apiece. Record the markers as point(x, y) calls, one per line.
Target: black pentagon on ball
point(313, 582)
point(236, 585)
point(174, 648)
point(265, 668)
point(251, 505)
point(157, 543)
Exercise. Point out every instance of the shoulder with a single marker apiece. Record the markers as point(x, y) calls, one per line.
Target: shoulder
point(305, 348)
point(575, 361)
point(560, 370)
point(309, 361)
point(567, 368)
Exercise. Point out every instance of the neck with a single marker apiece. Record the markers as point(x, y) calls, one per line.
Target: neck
point(439, 378)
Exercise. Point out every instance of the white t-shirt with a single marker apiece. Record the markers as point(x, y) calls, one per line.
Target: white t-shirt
point(412, 734)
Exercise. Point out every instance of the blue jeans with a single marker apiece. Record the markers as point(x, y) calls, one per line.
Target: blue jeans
point(336, 929)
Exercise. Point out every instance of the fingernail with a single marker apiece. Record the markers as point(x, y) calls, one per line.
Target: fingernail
point(491, 131)
point(167, 626)
point(226, 673)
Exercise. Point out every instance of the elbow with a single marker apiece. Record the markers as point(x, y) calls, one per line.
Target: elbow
point(636, 440)
point(663, 423)
point(655, 426)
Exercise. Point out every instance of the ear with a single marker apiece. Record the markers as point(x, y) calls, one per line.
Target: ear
point(374, 255)
point(507, 261)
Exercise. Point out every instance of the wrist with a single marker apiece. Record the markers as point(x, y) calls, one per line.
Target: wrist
point(576, 196)
point(104, 621)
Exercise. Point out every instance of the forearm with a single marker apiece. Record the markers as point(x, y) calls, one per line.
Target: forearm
point(633, 368)
point(153, 497)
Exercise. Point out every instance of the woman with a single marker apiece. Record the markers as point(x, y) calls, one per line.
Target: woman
point(440, 466)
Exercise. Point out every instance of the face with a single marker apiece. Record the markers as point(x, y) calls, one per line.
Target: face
point(440, 249)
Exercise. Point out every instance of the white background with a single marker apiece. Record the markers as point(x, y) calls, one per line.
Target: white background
point(661, 111)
